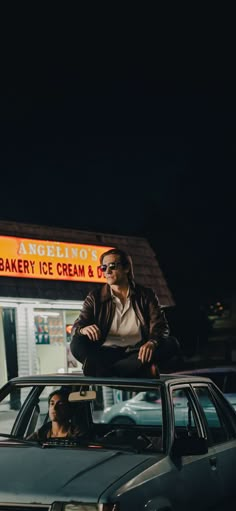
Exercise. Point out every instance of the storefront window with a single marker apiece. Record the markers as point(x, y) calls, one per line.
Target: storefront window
point(49, 327)
point(52, 338)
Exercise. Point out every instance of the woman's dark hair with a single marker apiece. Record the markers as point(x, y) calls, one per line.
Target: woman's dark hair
point(125, 260)
point(60, 392)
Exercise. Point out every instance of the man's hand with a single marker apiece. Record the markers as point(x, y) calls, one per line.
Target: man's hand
point(146, 351)
point(92, 331)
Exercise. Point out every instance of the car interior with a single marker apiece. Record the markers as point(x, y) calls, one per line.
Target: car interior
point(95, 433)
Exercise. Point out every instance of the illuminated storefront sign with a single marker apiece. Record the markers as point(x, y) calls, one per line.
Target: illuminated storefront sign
point(54, 260)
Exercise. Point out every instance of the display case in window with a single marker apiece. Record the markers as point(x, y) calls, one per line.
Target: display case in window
point(49, 327)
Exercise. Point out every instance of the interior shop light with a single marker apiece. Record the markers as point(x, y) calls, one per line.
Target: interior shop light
point(46, 314)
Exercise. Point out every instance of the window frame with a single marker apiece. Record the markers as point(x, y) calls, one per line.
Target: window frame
point(221, 413)
point(199, 423)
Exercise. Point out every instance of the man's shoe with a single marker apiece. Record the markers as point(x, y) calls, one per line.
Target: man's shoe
point(149, 371)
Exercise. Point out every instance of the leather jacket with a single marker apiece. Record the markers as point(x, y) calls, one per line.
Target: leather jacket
point(99, 309)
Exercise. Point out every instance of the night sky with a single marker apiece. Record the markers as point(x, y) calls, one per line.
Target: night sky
point(152, 158)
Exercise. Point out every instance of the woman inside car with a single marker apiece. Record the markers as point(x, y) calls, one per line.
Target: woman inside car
point(60, 425)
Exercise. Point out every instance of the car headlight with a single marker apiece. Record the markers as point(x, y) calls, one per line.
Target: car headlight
point(80, 506)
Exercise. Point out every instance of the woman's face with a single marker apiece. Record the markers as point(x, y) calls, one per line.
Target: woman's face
point(58, 408)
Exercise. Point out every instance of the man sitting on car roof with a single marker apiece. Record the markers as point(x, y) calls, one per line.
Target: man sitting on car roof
point(122, 330)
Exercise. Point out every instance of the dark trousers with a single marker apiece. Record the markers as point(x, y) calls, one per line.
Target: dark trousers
point(100, 360)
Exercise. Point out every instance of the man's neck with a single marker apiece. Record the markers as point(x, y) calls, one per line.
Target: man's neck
point(121, 291)
point(59, 429)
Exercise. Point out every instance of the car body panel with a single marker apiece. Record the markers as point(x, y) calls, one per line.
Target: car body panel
point(55, 480)
point(133, 474)
point(169, 482)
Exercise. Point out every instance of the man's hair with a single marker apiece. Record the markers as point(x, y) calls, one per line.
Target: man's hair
point(64, 394)
point(60, 392)
point(125, 260)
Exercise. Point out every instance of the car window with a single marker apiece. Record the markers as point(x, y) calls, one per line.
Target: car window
point(215, 423)
point(184, 415)
point(81, 413)
point(40, 410)
point(120, 406)
point(10, 407)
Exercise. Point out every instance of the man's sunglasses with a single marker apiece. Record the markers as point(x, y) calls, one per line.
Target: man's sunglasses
point(110, 266)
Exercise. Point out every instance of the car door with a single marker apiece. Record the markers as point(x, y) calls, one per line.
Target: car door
point(196, 477)
point(221, 425)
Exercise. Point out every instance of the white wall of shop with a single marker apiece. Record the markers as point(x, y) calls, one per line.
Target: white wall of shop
point(26, 349)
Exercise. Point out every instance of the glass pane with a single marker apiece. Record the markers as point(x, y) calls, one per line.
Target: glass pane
point(94, 415)
point(50, 341)
point(49, 327)
point(216, 429)
point(10, 406)
point(185, 425)
point(122, 406)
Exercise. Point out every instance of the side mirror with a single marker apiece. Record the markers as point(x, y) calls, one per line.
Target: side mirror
point(188, 446)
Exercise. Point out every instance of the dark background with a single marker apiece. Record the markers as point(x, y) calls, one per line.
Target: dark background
point(151, 157)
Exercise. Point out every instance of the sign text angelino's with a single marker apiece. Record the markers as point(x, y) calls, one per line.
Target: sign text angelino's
point(40, 259)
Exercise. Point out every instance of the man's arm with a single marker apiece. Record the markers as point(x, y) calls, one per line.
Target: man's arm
point(85, 323)
point(158, 324)
point(86, 316)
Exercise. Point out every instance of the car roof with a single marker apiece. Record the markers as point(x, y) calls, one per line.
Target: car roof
point(73, 378)
point(209, 370)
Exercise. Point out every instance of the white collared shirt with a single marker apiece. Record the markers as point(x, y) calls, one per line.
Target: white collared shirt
point(125, 328)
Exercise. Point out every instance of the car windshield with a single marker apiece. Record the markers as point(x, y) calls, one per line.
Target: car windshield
point(122, 417)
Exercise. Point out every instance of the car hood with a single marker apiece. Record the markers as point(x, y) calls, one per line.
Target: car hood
point(33, 474)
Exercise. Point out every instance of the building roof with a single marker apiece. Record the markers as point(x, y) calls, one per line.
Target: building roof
point(146, 267)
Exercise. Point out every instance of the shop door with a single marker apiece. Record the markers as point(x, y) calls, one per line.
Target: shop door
point(9, 329)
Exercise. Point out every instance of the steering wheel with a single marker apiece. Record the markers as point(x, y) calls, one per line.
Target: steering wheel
point(134, 438)
point(147, 440)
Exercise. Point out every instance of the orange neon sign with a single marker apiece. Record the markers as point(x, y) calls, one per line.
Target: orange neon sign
point(54, 260)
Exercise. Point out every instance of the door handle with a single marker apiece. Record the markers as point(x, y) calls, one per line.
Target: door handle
point(213, 462)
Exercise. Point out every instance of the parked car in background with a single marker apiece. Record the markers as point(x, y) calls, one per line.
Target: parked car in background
point(179, 454)
point(223, 376)
point(144, 408)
